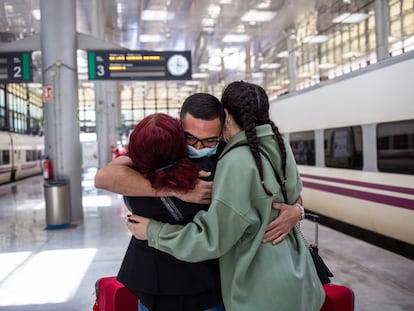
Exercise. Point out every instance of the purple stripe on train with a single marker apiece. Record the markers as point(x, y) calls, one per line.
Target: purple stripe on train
point(373, 197)
point(362, 184)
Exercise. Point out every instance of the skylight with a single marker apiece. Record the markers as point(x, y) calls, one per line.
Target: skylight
point(348, 18)
point(258, 16)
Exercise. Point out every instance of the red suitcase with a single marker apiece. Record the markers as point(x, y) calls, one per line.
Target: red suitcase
point(338, 298)
point(112, 295)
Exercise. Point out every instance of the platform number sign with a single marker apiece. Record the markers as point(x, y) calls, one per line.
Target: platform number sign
point(139, 65)
point(16, 67)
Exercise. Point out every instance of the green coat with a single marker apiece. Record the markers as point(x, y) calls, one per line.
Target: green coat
point(254, 276)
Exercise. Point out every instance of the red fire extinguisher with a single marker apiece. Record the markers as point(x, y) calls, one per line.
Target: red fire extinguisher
point(47, 169)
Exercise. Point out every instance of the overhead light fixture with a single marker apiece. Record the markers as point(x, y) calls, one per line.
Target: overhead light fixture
point(264, 5)
point(200, 75)
point(151, 38)
point(352, 54)
point(214, 67)
point(214, 10)
point(227, 51)
point(156, 15)
point(269, 66)
point(208, 22)
point(304, 75)
point(315, 39)
point(275, 87)
point(258, 16)
point(236, 38)
point(187, 89)
point(348, 18)
point(36, 14)
point(326, 66)
point(203, 66)
point(257, 75)
point(192, 83)
point(285, 54)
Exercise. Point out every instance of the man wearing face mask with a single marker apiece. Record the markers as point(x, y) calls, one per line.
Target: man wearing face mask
point(202, 118)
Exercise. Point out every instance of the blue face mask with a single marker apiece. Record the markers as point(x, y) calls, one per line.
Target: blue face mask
point(205, 152)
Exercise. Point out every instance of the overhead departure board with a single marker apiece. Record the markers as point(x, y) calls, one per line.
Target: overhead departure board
point(16, 67)
point(139, 65)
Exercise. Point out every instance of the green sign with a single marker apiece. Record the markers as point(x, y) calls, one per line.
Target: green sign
point(139, 65)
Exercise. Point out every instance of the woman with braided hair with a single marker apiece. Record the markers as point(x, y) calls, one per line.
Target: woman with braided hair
point(255, 168)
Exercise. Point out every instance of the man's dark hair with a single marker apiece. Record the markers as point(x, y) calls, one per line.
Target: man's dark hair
point(203, 106)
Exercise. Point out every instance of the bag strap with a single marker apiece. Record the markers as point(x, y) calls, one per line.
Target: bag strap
point(264, 154)
point(174, 211)
point(279, 180)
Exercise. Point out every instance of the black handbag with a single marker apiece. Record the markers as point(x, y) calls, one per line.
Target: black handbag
point(321, 268)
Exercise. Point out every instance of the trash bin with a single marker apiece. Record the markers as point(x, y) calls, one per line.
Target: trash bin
point(57, 199)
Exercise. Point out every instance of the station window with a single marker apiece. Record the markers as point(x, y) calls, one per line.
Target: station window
point(303, 147)
point(395, 147)
point(343, 147)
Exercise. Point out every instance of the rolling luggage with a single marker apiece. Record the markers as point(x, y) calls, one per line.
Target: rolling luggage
point(337, 297)
point(112, 295)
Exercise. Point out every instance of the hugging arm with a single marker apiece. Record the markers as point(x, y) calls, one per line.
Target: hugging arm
point(210, 235)
point(280, 227)
point(119, 176)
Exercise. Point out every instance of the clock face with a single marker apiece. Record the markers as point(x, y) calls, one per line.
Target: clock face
point(177, 65)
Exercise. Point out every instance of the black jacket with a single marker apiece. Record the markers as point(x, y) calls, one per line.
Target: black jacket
point(161, 281)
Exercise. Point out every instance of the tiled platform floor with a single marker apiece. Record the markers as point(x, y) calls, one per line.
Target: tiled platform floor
point(57, 269)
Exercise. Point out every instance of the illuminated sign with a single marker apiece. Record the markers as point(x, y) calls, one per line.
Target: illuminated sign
point(15, 67)
point(139, 65)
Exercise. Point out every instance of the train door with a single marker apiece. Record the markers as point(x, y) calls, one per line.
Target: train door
point(6, 156)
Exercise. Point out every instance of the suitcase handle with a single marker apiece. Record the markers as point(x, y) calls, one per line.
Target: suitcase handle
point(314, 218)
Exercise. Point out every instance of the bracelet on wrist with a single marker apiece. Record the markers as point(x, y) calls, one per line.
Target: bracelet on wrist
point(302, 211)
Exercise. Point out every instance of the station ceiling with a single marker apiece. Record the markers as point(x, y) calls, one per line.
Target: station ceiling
point(211, 29)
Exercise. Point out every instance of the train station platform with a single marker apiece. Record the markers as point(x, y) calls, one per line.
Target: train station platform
point(49, 270)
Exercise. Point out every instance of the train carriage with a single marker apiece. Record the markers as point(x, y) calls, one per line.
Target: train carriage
point(21, 156)
point(353, 139)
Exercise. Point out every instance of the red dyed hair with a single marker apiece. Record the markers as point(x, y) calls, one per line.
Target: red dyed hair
point(158, 149)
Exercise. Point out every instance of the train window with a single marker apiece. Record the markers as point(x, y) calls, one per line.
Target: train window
point(4, 157)
point(395, 147)
point(303, 147)
point(343, 147)
point(30, 155)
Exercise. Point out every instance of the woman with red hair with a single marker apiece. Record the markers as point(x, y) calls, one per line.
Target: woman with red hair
point(158, 150)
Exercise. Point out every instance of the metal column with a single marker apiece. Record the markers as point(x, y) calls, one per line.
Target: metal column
point(381, 29)
point(62, 145)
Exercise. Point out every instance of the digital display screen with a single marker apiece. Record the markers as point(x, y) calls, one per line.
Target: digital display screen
point(139, 65)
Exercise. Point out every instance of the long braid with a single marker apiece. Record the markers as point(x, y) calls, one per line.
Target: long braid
point(279, 140)
point(251, 135)
point(265, 119)
point(245, 116)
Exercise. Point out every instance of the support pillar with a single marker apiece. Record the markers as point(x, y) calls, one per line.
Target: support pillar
point(59, 68)
point(107, 103)
point(292, 71)
point(381, 29)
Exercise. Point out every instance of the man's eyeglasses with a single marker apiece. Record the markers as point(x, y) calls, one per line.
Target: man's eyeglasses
point(206, 142)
